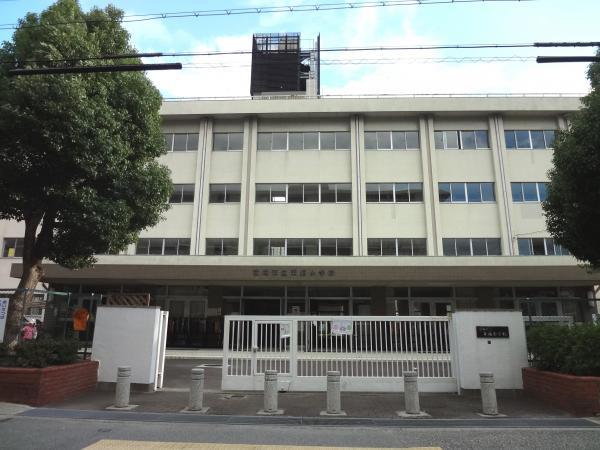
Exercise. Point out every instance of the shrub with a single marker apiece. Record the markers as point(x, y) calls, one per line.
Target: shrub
point(46, 352)
point(573, 350)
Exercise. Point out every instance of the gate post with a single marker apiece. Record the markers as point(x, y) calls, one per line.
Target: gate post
point(196, 400)
point(270, 395)
point(411, 397)
point(123, 389)
point(489, 403)
point(334, 403)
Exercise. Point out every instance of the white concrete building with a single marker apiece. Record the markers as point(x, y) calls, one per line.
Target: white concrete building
point(288, 205)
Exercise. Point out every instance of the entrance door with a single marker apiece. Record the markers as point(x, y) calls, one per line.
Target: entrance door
point(262, 306)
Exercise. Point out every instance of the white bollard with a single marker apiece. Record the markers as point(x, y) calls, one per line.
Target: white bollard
point(411, 397)
point(123, 387)
point(489, 404)
point(197, 391)
point(334, 401)
point(270, 393)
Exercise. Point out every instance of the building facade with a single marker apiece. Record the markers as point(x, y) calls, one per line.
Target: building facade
point(363, 206)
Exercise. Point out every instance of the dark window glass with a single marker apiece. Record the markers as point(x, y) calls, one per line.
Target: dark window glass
point(370, 140)
point(458, 192)
point(264, 141)
point(263, 193)
point(277, 247)
point(171, 246)
point(327, 141)
point(230, 247)
point(467, 140)
point(444, 192)
point(487, 192)
point(296, 141)
point(538, 246)
point(439, 140)
point(311, 193)
point(179, 142)
point(463, 247)
point(311, 141)
point(310, 247)
point(374, 247)
point(523, 139)
point(549, 246)
point(384, 140)
point(493, 247)
point(404, 247)
point(530, 192)
point(386, 192)
point(549, 137)
point(449, 247)
point(192, 141)
point(549, 308)
point(537, 139)
point(509, 137)
point(399, 140)
point(232, 193)
point(187, 191)
point(176, 194)
point(216, 193)
point(155, 246)
point(295, 193)
point(236, 141)
point(388, 247)
point(342, 140)
point(168, 141)
point(451, 139)
point(416, 192)
point(328, 247)
point(13, 247)
point(412, 139)
point(524, 247)
point(431, 291)
point(419, 247)
point(372, 191)
point(474, 192)
point(294, 247)
point(279, 141)
point(213, 247)
point(517, 191)
point(141, 247)
point(278, 193)
point(344, 247)
point(542, 189)
point(327, 193)
point(261, 247)
point(479, 247)
point(481, 139)
point(402, 193)
point(344, 192)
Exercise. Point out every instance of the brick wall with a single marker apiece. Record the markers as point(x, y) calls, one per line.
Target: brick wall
point(37, 387)
point(578, 395)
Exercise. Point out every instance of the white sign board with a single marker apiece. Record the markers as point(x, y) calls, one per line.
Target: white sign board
point(3, 315)
point(341, 327)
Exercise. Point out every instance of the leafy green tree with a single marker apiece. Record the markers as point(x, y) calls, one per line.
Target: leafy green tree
point(572, 208)
point(77, 151)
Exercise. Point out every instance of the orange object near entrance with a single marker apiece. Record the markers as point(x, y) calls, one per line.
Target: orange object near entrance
point(80, 319)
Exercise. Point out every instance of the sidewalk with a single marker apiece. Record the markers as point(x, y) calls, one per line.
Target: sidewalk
point(174, 397)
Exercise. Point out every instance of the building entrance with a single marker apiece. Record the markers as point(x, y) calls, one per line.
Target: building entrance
point(262, 306)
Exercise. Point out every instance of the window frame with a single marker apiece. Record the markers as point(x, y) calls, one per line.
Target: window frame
point(522, 192)
point(409, 185)
point(371, 241)
point(221, 241)
point(545, 133)
point(303, 133)
point(228, 134)
point(226, 188)
point(181, 187)
point(461, 139)
point(465, 191)
point(187, 142)
point(163, 241)
point(556, 249)
point(391, 136)
point(302, 245)
point(471, 252)
point(304, 201)
point(17, 244)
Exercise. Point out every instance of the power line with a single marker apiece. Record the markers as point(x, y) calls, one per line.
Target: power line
point(94, 69)
point(562, 59)
point(261, 10)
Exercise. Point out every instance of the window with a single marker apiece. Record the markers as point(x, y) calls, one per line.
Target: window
point(224, 193)
point(529, 139)
point(304, 193)
point(540, 246)
point(397, 247)
point(221, 247)
point(394, 192)
point(471, 246)
point(228, 142)
point(461, 140)
point(162, 246)
point(181, 142)
point(391, 140)
point(528, 192)
point(182, 193)
point(466, 192)
point(13, 247)
point(303, 247)
point(310, 140)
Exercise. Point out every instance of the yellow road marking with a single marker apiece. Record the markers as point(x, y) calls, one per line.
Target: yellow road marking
point(113, 444)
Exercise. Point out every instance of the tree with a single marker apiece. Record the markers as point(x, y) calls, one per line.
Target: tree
point(572, 208)
point(77, 152)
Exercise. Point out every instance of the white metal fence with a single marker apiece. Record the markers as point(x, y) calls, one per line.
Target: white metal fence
point(371, 353)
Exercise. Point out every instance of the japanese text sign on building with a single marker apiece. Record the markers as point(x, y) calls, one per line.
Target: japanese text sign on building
point(293, 273)
point(492, 332)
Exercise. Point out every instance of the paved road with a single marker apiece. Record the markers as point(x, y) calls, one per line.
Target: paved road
point(45, 429)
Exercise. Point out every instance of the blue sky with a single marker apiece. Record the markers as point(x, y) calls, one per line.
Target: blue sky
point(405, 72)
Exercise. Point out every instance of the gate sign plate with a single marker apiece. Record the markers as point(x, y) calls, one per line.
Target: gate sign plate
point(492, 332)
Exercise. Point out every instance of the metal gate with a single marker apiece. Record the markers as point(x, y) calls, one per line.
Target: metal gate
point(372, 353)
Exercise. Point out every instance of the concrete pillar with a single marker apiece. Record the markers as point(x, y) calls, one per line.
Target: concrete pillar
point(123, 387)
point(270, 394)
point(411, 397)
point(334, 402)
point(489, 404)
point(197, 390)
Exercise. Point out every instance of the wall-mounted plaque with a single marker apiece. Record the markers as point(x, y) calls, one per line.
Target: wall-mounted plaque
point(492, 332)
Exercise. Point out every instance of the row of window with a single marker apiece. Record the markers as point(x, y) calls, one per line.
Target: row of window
point(540, 247)
point(162, 246)
point(375, 192)
point(373, 140)
point(471, 246)
point(303, 247)
point(397, 247)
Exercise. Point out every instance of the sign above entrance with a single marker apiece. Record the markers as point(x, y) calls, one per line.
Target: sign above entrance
point(293, 273)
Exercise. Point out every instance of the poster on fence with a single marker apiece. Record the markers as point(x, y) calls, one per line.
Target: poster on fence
point(341, 327)
point(284, 330)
